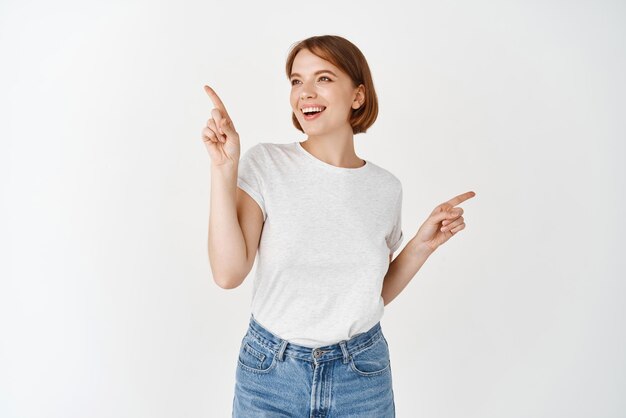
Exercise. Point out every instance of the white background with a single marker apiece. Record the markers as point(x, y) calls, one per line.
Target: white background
point(107, 304)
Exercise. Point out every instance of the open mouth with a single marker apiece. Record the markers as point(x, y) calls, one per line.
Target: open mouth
point(312, 112)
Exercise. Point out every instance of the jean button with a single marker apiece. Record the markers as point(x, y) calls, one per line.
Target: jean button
point(317, 353)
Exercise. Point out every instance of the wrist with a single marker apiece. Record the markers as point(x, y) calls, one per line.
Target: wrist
point(420, 250)
point(228, 168)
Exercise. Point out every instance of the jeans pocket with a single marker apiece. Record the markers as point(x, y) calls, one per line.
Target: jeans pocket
point(372, 360)
point(255, 357)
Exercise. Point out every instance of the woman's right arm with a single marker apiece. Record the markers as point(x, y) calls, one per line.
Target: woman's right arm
point(235, 225)
point(235, 219)
point(227, 247)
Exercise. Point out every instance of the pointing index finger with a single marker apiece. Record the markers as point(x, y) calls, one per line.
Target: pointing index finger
point(460, 198)
point(217, 102)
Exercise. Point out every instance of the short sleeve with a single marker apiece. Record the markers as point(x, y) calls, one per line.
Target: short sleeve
point(394, 239)
point(250, 175)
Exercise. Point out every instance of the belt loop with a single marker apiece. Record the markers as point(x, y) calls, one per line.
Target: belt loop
point(281, 351)
point(344, 349)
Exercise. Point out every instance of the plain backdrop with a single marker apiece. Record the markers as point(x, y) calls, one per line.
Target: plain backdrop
point(107, 303)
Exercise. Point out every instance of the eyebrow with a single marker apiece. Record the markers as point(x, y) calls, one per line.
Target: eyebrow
point(316, 73)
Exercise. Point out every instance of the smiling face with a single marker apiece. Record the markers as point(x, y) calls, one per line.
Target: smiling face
point(318, 84)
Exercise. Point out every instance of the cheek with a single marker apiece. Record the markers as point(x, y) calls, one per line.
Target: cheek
point(293, 101)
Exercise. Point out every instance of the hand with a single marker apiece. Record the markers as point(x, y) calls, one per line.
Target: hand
point(219, 135)
point(443, 222)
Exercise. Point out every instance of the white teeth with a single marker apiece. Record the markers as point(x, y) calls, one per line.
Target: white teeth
point(312, 109)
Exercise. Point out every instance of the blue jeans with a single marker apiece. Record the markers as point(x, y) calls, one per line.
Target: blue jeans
point(276, 378)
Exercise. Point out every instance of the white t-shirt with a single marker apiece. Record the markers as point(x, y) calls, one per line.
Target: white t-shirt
point(325, 243)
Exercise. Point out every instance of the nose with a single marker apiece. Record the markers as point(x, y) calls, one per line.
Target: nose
point(307, 91)
point(305, 94)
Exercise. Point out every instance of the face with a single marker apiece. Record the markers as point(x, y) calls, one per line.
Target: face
point(316, 82)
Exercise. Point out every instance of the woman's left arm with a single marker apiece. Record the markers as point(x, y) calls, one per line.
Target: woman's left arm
point(441, 225)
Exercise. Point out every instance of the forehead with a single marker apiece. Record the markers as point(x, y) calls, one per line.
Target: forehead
point(307, 62)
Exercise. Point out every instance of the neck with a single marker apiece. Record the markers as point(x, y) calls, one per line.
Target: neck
point(336, 148)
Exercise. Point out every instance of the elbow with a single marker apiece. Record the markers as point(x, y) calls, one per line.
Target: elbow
point(229, 278)
point(227, 283)
point(226, 279)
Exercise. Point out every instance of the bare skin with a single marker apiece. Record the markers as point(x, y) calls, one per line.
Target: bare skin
point(444, 221)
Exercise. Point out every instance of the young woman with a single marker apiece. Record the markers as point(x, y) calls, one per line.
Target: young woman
point(326, 224)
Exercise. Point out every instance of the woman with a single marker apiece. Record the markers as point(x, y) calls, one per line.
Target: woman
point(324, 222)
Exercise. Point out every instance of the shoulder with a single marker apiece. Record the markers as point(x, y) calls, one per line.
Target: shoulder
point(264, 149)
point(268, 155)
point(255, 150)
point(255, 156)
point(386, 176)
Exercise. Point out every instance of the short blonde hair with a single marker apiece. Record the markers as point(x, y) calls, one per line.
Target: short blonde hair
point(346, 56)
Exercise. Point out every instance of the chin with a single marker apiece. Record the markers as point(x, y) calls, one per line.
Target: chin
point(316, 128)
point(313, 131)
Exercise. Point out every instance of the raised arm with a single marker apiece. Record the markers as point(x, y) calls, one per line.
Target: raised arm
point(235, 220)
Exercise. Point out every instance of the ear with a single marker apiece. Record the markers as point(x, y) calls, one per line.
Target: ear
point(359, 98)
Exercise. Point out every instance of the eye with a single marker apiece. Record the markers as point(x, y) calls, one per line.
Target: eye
point(295, 81)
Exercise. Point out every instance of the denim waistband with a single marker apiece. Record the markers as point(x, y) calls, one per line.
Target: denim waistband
point(343, 348)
